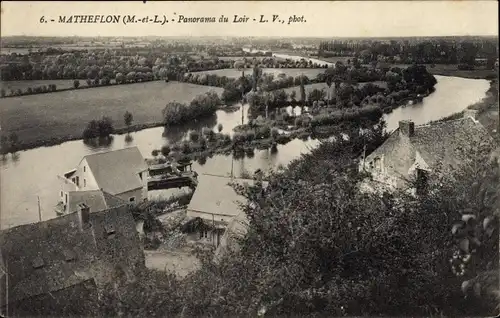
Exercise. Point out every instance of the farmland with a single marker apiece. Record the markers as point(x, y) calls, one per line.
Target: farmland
point(233, 73)
point(65, 114)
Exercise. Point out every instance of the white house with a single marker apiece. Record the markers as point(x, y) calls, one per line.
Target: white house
point(121, 173)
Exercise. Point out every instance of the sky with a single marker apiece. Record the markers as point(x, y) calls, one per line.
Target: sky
point(322, 18)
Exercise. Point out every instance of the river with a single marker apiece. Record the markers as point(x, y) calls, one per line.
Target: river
point(32, 174)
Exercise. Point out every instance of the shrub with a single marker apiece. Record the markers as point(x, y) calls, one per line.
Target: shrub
point(165, 150)
point(98, 128)
point(274, 133)
point(194, 136)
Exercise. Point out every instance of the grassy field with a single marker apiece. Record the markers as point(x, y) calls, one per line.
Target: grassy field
point(23, 85)
point(320, 86)
point(334, 59)
point(233, 73)
point(249, 58)
point(451, 70)
point(65, 114)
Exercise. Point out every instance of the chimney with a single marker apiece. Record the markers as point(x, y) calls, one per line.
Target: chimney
point(472, 113)
point(83, 215)
point(407, 128)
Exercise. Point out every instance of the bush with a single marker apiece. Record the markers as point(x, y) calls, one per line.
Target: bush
point(165, 150)
point(76, 83)
point(176, 113)
point(98, 128)
point(274, 133)
point(194, 136)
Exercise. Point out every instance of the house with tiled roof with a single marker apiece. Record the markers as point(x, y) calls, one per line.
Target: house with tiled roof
point(213, 206)
point(97, 200)
point(120, 173)
point(57, 267)
point(413, 153)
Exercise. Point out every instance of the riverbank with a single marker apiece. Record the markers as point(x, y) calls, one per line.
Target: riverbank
point(49, 119)
point(452, 70)
point(487, 111)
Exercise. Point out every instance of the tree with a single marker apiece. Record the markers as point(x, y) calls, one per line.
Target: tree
point(219, 128)
point(128, 118)
point(165, 150)
point(155, 153)
point(13, 139)
point(302, 91)
point(102, 128)
point(256, 75)
point(5, 144)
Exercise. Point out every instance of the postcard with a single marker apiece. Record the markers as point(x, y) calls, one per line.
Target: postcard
point(249, 158)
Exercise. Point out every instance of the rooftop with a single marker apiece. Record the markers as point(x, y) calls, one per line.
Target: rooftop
point(117, 171)
point(215, 195)
point(447, 142)
point(97, 200)
point(52, 255)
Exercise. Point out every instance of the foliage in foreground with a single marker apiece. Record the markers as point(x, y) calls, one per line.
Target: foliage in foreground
point(316, 245)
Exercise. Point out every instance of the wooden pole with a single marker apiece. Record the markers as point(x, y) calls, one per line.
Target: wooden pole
point(39, 210)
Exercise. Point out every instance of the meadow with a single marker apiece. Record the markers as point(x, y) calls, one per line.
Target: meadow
point(249, 58)
point(320, 86)
point(234, 73)
point(23, 85)
point(65, 114)
point(334, 59)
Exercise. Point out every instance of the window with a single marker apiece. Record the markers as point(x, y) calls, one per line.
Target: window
point(66, 198)
point(38, 262)
point(83, 168)
point(69, 255)
point(132, 199)
point(110, 230)
point(84, 183)
point(203, 234)
point(140, 175)
point(62, 194)
point(422, 178)
point(78, 181)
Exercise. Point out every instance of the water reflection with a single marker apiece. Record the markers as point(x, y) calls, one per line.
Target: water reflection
point(28, 174)
point(128, 139)
point(101, 143)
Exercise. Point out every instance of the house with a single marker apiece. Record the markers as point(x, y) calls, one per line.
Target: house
point(415, 152)
point(213, 206)
point(121, 173)
point(57, 267)
point(97, 200)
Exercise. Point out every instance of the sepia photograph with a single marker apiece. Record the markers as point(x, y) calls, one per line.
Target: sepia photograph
point(249, 159)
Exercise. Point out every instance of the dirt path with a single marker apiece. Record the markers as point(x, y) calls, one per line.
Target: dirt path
point(178, 261)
